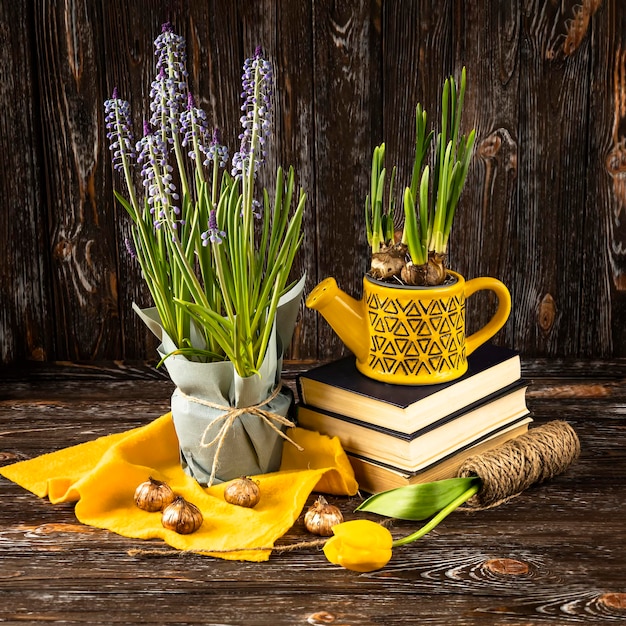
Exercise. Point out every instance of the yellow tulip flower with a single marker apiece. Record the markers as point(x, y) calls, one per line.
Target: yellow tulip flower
point(359, 545)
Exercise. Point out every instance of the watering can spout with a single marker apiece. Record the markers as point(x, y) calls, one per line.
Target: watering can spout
point(345, 315)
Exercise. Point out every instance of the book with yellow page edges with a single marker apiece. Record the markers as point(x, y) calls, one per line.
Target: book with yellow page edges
point(374, 476)
point(398, 434)
point(429, 444)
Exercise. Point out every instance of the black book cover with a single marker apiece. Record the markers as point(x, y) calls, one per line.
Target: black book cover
point(513, 387)
point(344, 374)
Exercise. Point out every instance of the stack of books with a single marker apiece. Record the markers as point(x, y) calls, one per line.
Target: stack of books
point(396, 435)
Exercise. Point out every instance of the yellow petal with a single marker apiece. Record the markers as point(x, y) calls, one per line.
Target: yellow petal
point(364, 533)
point(363, 560)
point(331, 549)
point(359, 545)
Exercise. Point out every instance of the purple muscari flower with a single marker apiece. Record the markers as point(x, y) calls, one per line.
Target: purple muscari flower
point(168, 91)
point(130, 248)
point(119, 132)
point(213, 234)
point(157, 177)
point(166, 104)
point(216, 152)
point(171, 53)
point(193, 127)
point(240, 159)
point(256, 115)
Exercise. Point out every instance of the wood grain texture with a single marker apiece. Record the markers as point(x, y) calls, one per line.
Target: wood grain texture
point(606, 202)
point(553, 555)
point(82, 241)
point(552, 87)
point(411, 59)
point(25, 328)
point(485, 224)
point(347, 118)
point(544, 208)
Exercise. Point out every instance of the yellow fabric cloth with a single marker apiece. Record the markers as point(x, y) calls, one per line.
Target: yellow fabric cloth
point(101, 477)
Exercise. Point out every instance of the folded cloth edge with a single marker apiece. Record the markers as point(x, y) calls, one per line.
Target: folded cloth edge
point(323, 466)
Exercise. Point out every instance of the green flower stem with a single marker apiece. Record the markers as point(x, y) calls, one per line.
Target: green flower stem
point(198, 159)
point(148, 261)
point(219, 269)
point(185, 276)
point(155, 285)
point(126, 167)
point(284, 261)
point(464, 497)
point(177, 148)
point(181, 163)
point(214, 186)
point(204, 256)
point(247, 178)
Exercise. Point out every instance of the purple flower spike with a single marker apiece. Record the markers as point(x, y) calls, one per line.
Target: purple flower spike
point(130, 248)
point(194, 127)
point(119, 131)
point(213, 234)
point(256, 116)
point(216, 153)
point(171, 54)
point(168, 92)
point(157, 176)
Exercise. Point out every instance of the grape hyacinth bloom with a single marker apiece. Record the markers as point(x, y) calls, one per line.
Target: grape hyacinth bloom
point(257, 82)
point(194, 128)
point(168, 91)
point(130, 248)
point(171, 54)
point(213, 234)
point(120, 135)
point(165, 106)
point(216, 152)
point(240, 160)
point(157, 178)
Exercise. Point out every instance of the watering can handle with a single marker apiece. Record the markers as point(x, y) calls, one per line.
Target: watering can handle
point(500, 316)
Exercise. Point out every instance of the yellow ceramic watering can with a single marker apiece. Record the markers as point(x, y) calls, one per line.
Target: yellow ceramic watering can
point(409, 335)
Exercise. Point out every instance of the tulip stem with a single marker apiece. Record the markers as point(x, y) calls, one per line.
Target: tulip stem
point(464, 497)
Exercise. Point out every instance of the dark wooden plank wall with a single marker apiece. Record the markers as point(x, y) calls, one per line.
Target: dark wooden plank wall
point(544, 209)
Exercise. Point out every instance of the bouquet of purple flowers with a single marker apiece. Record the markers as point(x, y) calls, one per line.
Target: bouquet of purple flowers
point(215, 251)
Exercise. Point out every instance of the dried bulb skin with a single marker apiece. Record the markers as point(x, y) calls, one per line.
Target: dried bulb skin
point(153, 495)
point(388, 262)
point(243, 492)
point(436, 269)
point(182, 516)
point(321, 517)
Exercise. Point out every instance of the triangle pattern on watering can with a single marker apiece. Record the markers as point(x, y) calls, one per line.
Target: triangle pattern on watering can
point(416, 337)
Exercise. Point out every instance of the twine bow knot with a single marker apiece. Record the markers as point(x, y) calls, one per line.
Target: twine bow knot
point(228, 417)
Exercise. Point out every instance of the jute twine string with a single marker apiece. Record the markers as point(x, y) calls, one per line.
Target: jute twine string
point(505, 472)
point(509, 469)
point(289, 547)
point(228, 417)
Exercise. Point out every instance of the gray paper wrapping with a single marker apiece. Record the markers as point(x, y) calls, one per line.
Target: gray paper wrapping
point(250, 446)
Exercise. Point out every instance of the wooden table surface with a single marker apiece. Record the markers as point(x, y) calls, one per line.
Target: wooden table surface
point(554, 555)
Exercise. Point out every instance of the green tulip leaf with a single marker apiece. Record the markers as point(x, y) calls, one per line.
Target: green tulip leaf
point(419, 501)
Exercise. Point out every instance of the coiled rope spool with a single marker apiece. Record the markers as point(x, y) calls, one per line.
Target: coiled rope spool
point(509, 469)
